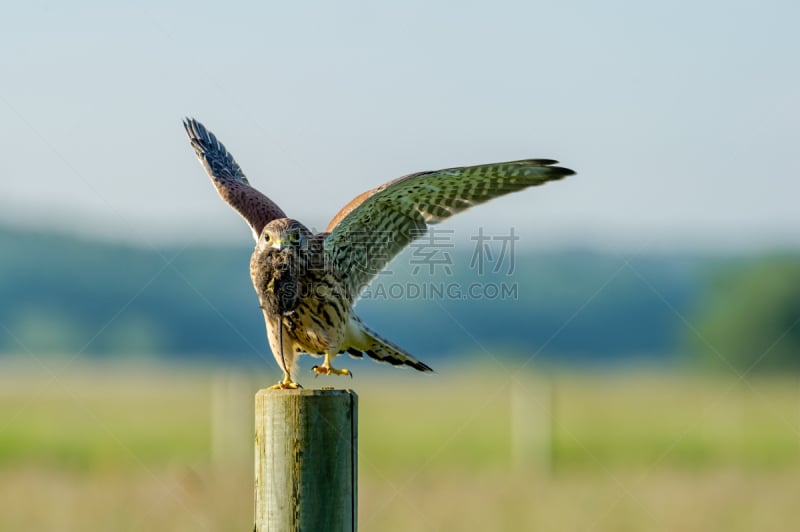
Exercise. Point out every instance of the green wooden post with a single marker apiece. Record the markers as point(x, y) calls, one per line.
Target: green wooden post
point(306, 470)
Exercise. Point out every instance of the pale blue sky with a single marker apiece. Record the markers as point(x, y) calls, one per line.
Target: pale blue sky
point(682, 118)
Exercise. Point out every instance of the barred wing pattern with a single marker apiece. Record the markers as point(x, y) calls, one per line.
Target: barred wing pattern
point(231, 184)
point(376, 225)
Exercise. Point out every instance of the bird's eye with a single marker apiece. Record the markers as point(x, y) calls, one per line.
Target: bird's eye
point(266, 237)
point(294, 236)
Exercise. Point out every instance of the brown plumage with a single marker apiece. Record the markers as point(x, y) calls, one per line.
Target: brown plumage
point(307, 284)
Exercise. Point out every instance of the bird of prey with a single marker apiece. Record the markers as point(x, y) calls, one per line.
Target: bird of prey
point(307, 283)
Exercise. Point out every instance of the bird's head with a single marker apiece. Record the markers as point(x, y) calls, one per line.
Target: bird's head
point(283, 233)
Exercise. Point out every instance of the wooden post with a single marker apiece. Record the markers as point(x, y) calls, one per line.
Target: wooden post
point(531, 413)
point(306, 470)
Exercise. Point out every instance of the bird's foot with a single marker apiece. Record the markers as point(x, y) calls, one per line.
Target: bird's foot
point(328, 370)
point(284, 385)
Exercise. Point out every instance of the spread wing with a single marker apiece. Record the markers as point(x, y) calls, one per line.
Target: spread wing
point(376, 225)
point(229, 180)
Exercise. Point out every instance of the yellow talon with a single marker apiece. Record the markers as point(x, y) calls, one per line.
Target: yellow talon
point(328, 370)
point(286, 384)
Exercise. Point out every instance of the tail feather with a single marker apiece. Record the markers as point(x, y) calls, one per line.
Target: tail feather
point(364, 341)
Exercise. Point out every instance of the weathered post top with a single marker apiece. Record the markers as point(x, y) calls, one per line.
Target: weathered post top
point(306, 460)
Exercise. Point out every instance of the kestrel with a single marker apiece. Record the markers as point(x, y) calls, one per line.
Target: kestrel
point(307, 283)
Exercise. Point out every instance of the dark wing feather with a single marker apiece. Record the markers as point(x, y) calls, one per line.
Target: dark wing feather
point(376, 225)
point(229, 180)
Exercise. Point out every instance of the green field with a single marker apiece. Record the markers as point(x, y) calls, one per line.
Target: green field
point(168, 448)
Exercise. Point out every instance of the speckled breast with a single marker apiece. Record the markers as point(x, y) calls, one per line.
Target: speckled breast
point(318, 322)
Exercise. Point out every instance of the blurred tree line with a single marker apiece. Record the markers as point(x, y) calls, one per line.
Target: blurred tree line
point(751, 318)
point(62, 294)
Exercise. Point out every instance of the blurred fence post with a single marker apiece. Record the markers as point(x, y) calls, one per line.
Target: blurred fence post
point(231, 419)
point(531, 413)
point(306, 460)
